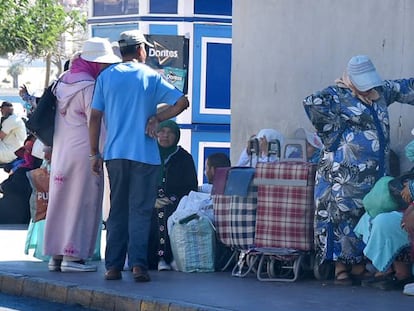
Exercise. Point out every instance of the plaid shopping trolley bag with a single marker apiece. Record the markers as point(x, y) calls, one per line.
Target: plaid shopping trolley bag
point(235, 209)
point(285, 205)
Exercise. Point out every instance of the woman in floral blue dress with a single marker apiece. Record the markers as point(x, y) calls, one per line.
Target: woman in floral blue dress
point(351, 117)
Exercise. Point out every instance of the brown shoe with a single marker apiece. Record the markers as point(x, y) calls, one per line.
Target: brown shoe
point(140, 274)
point(113, 274)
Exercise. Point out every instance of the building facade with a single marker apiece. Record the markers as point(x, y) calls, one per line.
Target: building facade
point(207, 27)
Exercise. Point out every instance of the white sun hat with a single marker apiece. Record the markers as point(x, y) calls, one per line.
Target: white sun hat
point(99, 50)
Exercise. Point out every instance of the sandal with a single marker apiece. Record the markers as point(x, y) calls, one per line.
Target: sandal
point(372, 282)
point(343, 277)
point(362, 276)
point(392, 284)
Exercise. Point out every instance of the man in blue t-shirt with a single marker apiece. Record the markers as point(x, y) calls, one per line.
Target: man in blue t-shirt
point(126, 97)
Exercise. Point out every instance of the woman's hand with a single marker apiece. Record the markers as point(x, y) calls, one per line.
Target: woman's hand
point(406, 194)
point(407, 222)
point(23, 92)
point(263, 146)
point(162, 202)
point(248, 148)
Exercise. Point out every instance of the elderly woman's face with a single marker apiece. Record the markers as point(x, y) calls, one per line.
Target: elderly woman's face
point(166, 137)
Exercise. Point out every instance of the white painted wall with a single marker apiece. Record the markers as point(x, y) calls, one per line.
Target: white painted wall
point(283, 50)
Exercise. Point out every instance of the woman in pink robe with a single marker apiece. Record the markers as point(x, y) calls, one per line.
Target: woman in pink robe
point(75, 195)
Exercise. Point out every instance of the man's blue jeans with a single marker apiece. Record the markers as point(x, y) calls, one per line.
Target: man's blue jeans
point(133, 188)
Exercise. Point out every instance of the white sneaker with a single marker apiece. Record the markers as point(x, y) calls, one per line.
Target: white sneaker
point(126, 265)
point(54, 264)
point(163, 266)
point(76, 266)
point(409, 289)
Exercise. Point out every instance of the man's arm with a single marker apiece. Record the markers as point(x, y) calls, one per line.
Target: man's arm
point(2, 135)
point(167, 113)
point(94, 133)
point(174, 110)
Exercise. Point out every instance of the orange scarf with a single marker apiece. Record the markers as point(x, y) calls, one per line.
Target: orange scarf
point(345, 82)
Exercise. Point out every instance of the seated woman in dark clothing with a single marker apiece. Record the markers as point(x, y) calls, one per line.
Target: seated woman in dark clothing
point(16, 189)
point(177, 178)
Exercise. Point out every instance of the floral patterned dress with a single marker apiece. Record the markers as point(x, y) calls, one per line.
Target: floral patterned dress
point(356, 140)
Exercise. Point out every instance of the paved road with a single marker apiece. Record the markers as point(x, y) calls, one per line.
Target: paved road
point(191, 291)
point(14, 303)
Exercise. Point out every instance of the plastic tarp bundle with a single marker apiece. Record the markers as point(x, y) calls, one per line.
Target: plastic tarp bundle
point(192, 234)
point(193, 245)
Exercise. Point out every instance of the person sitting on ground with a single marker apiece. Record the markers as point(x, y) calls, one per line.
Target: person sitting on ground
point(222, 252)
point(12, 133)
point(213, 161)
point(17, 181)
point(16, 190)
point(258, 147)
point(314, 146)
point(177, 178)
point(387, 239)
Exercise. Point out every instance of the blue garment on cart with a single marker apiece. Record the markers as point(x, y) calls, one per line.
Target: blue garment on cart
point(238, 181)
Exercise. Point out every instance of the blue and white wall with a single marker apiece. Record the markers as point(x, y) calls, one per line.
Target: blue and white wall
point(208, 26)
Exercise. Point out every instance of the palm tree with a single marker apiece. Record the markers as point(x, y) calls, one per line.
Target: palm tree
point(15, 70)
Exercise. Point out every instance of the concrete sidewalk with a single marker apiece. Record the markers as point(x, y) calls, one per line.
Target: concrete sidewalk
point(23, 275)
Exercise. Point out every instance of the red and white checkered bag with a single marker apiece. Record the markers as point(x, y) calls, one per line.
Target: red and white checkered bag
point(285, 205)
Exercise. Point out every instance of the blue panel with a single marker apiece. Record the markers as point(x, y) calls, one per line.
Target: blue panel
point(111, 31)
point(121, 7)
point(211, 31)
point(213, 7)
point(218, 75)
point(205, 127)
point(165, 18)
point(155, 29)
point(163, 6)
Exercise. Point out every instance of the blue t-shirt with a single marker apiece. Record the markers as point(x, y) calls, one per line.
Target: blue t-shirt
point(128, 94)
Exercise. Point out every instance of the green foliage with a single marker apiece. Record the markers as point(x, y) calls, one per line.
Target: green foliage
point(34, 27)
point(15, 69)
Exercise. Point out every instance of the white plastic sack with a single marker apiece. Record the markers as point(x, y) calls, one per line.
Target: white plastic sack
point(194, 203)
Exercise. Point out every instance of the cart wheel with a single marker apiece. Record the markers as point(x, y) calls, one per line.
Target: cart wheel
point(252, 262)
point(323, 271)
point(298, 267)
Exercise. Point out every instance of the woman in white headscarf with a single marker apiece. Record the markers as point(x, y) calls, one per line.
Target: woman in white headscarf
point(261, 153)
